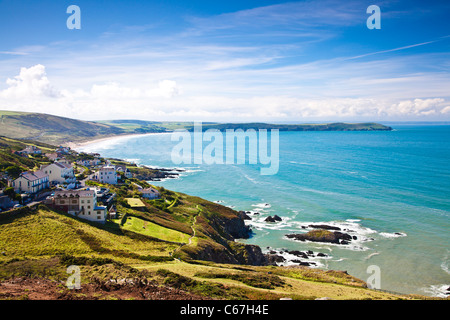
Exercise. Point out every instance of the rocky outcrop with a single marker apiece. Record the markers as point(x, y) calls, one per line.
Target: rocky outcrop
point(320, 235)
point(275, 218)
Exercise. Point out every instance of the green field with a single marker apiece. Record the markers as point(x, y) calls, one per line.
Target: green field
point(153, 230)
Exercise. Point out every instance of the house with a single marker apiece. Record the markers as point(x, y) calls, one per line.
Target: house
point(106, 174)
point(30, 150)
point(150, 193)
point(89, 163)
point(80, 203)
point(53, 156)
point(59, 172)
point(112, 212)
point(31, 182)
point(63, 150)
point(125, 170)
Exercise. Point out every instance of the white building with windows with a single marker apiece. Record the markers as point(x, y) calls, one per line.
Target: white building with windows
point(59, 172)
point(107, 174)
point(31, 182)
point(80, 203)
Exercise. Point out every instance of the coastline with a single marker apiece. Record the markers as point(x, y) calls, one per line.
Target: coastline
point(77, 144)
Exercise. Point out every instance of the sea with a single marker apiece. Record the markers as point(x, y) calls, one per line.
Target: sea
point(388, 189)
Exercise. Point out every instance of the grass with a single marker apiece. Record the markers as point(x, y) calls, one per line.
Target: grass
point(43, 234)
point(153, 230)
point(135, 203)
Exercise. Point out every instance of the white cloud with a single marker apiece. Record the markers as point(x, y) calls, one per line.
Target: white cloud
point(30, 83)
point(31, 90)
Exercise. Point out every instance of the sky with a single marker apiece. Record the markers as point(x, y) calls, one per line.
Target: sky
point(227, 61)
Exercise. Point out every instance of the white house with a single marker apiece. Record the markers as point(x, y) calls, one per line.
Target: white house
point(80, 203)
point(31, 182)
point(125, 170)
point(150, 193)
point(107, 174)
point(59, 172)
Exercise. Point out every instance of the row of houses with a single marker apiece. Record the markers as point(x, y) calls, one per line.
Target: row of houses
point(35, 181)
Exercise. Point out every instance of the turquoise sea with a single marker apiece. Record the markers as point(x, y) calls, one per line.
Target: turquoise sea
point(391, 189)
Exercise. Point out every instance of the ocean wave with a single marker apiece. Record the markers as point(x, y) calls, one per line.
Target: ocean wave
point(445, 262)
point(313, 259)
point(393, 235)
point(438, 290)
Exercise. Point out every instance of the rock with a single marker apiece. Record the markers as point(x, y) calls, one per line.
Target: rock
point(277, 218)
point(272, 259)
point(244, 215)
point(318, 235)
point(270, 219)
point(320, 254)
point(310, 253)
point(306, 264)
point(324, 226)
point(354, 238)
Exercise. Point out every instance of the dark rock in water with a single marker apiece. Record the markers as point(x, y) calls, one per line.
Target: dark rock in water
point(256, 213)
point(320, 254)
point(324, 226)
point(277, 218)
point(448, 289)
point(272, 259)
point(303, 227)
point(309, 252)
point(298, 254)
point(306, 264)
point(244, 215)
point(272, 252)
point(270, 219)
point(319, 235)
point(354, 238)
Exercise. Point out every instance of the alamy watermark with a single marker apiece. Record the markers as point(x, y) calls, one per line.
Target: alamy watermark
point(74, 280)
point(229, 147)
point(374, 280)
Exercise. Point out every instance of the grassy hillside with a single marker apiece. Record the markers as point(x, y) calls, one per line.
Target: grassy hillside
point(59, 130)
point(155, 126)
point(40, 243)
point(51, 129)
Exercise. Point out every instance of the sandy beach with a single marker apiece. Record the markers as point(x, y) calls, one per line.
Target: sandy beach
point(76, 145)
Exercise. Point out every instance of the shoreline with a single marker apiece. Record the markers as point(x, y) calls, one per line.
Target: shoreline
point(74, 145)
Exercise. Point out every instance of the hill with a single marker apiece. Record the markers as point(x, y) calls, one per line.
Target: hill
point(38, 244)
point(51, 129)
point(60, 130)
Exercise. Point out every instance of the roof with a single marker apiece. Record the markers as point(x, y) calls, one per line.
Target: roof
point(74, 193)
point(149, 190)
point(32, 176)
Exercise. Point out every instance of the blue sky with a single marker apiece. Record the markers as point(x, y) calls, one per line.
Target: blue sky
point(227, 61)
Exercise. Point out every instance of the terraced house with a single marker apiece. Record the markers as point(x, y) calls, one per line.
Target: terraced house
point(59, 172)
point(31, 182)
point(80, 203)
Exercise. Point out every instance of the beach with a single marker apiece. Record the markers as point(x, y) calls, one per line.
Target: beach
point(81, 144)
